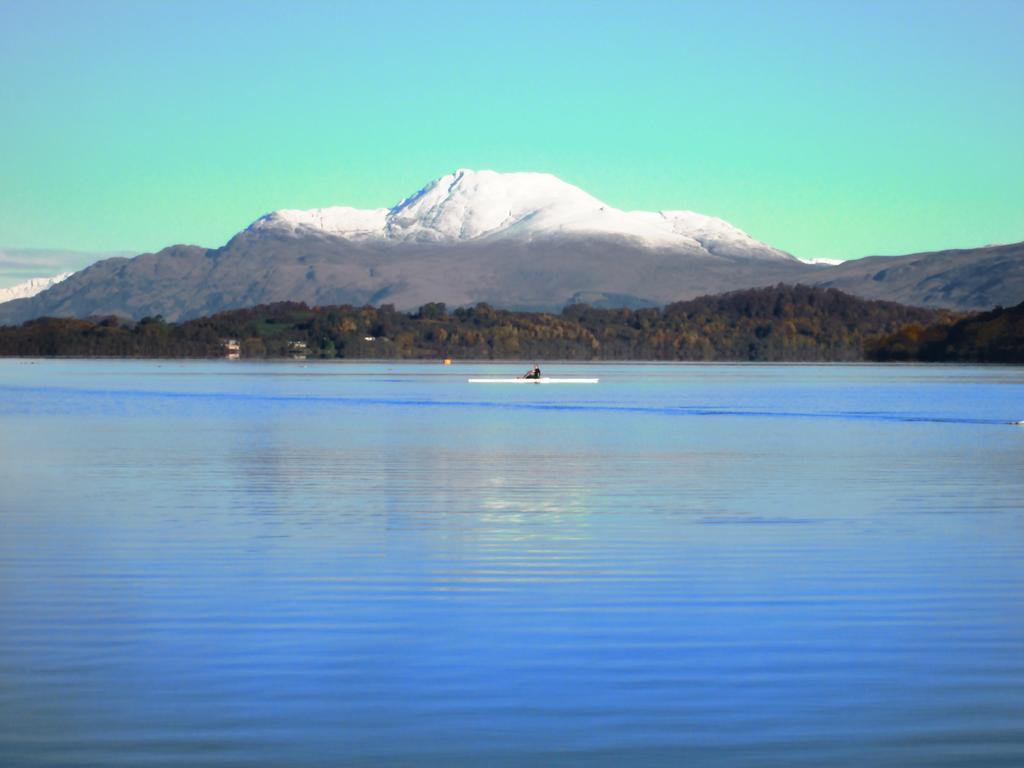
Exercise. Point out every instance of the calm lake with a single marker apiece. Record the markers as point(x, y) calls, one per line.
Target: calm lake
point(234, 564)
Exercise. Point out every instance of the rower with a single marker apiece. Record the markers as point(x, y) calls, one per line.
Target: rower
point(534, 374)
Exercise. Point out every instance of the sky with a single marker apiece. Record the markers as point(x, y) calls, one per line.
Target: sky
point(828, 129)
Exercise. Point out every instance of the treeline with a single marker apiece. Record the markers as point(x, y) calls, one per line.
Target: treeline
point(783, 323)
point(989, 337)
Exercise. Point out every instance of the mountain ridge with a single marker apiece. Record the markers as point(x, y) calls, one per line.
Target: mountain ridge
point(965, 278)
point(521, 241)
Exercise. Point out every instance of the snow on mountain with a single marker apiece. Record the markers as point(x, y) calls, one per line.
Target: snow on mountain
point(349, 222)
point(470, 205)
point(31, 287)
point(712, 233)
point(486, 205)
point(826, 262)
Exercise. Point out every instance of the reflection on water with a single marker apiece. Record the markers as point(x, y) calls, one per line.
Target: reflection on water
point(230, 564)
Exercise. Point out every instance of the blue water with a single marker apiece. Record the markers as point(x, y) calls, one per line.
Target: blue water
point(234, 564)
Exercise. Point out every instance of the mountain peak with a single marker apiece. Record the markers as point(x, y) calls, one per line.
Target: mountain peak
point(468, 205)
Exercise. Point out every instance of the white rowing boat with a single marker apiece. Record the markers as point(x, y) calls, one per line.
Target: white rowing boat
point(541, 380)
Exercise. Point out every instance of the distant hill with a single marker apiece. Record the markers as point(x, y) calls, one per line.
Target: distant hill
point(967, 279)
point(990, 337)
point(783, 323)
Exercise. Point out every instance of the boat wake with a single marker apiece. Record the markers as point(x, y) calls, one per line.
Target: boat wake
point(112, 397)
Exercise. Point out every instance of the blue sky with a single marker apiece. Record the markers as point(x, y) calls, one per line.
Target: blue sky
point(832, 130)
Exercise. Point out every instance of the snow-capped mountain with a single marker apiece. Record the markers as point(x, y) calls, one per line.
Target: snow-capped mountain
point(513, 240)
point(31, 287)
point(486, 206)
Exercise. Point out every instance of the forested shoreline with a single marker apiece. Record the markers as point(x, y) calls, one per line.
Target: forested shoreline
point(782, 323)
point(996, 336)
